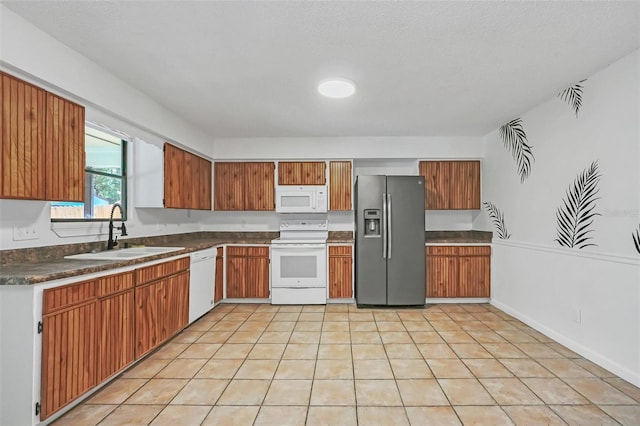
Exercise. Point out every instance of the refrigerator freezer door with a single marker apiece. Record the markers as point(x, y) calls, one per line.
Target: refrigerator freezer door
point(371, 267)
point(406, 262)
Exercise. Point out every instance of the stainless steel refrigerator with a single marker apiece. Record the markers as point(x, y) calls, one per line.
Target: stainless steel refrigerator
point(390, 256)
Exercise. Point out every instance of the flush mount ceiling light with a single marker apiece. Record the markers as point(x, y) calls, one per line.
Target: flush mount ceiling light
point(337, 88)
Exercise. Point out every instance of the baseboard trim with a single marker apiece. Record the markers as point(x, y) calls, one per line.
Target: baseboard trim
point(435, 300)
point(595, 357)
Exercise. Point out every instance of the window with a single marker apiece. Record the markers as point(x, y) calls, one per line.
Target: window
point(105, 180)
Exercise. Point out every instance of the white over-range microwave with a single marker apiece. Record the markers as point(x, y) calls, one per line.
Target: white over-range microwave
point(301, 199)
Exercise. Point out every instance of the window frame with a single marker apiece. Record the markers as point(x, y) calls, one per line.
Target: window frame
point(124, 192)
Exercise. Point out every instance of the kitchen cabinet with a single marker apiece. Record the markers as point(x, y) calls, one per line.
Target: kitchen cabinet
point(458, 271)
point(302, 173)
point(115, 322)
point(187, 180)
point(42, 144)
point(340, 271)
point(69, 341)
point(340, 185)
point(247, 272)
point(451, 185)
point(244, 186)
point(218, 293)
point(161, 303)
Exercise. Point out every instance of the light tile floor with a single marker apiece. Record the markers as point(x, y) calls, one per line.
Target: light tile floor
point(248, 364)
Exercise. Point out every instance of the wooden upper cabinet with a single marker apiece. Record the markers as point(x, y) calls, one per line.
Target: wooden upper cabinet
point(244, 186)
point(451, 185)
point(259, 186)
point(64, 150)
point(340, 185)
point(228, 184)
point(173, 170)
point(187, 180)
point(302, 173)
point(41, 144)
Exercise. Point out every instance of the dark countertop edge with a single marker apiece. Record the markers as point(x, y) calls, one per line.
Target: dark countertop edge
point(340, 241)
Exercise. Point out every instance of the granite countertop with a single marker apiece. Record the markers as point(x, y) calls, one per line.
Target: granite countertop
point(458, 237)
point(37, 265)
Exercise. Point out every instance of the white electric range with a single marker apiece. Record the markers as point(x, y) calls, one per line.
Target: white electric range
point(299, 263)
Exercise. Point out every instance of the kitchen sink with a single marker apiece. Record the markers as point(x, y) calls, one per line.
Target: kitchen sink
point(125, 253)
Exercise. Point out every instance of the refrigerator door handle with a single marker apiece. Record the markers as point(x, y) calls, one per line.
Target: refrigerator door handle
point(389, 228)
point(384, 226)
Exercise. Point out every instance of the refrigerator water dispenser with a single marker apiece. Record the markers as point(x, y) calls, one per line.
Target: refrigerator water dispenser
point(372, 223)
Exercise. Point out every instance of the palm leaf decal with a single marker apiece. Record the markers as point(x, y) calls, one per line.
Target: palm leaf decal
point(573, 96)
point(636, 239)
point(575, 216)
point(515, 140)
point(498, 220)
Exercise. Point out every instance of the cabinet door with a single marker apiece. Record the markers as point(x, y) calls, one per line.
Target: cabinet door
point(340, 272)
point(22, 149)
point(464, 185)
point(64, 150)
point(257, 273)
point(176, 303)
point(204, 196)
point(340, 185)
point(219, 284)
point(116, 333)
point(436, 184)
point(259, 193)
point(442, 271)
point(302, 173)
point(236, 271)
point(148, 317)
point(174, 171)
point(451, 185)
point(475, 271)
point(68, 356)
point(191, 180)
point(228, 186)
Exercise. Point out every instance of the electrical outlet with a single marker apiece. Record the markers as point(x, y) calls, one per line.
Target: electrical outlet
point(26, 232)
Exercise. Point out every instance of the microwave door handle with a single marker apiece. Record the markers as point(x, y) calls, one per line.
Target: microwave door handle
point(389, 227)
point(384, 226)
point(313, 200)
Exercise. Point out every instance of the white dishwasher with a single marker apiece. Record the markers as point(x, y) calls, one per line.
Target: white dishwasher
point(201, 283)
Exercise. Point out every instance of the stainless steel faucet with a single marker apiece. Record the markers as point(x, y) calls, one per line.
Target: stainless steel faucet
point(114, 242)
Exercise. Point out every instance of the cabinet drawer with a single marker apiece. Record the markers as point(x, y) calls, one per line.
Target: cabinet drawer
point(340, 251)
point(154, 272)
point(236, 251)
point(442, 250)
point(474, 251)
point(114, 283)
point(58, 298)
point(258, 251)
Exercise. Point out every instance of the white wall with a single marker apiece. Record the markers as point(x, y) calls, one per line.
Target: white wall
point(543, 283)
point(27, 52)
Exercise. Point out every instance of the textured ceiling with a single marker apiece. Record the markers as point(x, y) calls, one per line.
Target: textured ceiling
point(250, 69)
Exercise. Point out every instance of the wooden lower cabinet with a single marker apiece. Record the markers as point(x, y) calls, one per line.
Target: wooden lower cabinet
point(162, 303)
point(116, 324)
point(69, 341)
point(248, 272)
point(340, 272)
point(93, 329)
point(218, 293)
point(458, 271)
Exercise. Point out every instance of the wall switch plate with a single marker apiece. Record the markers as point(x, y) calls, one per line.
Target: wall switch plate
point(577, 315)
point(26, 232)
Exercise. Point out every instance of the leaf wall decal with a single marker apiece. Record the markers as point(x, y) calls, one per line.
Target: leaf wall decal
point(573, 96)
point(515, 140)
point(498, 220)
point(636, 239)
point(575, 216)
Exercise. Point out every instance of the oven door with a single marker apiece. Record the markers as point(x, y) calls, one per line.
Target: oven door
point(298, 265)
